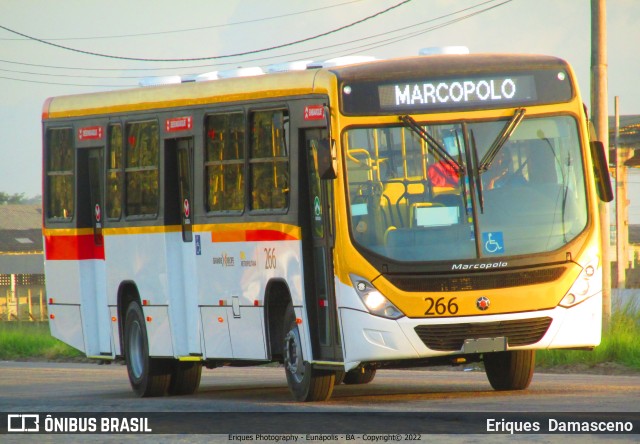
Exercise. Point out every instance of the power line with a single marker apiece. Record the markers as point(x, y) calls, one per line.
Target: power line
point(194, 59)
point(391, 40)
point(66, 84)
point(371, 45)
point(223, 25)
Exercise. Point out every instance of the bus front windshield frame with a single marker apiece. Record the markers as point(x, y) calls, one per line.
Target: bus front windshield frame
point(410, 203)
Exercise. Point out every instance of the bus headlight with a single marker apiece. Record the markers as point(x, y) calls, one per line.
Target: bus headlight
point(586, 285)
point(375, 301)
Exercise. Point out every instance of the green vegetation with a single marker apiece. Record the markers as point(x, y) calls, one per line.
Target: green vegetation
point(28, 340)
point(620, 345)
point(18, 198)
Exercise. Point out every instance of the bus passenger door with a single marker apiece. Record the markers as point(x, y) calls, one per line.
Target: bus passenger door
point(179, 210)
point(95, 310)
point(316, 213)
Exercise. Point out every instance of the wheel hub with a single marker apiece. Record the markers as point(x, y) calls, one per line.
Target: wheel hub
point(293, 355)
point(135, 351)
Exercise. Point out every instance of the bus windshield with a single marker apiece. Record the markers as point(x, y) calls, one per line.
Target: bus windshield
point(407, 203)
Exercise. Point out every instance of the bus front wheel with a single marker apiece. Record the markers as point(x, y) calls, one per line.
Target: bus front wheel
point(148, 376)
point(305, 382)
point(510, 370)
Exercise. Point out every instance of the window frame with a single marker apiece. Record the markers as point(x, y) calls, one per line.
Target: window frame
point(50, 173)
point(251, 160)
point(118, 170)
point(141, 169)
point(207, 164)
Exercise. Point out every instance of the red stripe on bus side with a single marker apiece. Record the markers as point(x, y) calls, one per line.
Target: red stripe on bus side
point(251, 236)
point(72, 248)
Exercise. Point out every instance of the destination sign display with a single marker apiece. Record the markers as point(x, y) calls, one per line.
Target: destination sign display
point(416, 93)
point(460, 92)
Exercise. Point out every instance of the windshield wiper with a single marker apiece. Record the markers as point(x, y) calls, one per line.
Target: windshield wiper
point(476, 173)
point(502, 138)
point(431, 141)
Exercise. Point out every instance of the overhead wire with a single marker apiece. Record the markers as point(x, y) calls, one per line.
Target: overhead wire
point(175, 31)
point(371, 45)
point(217, 57)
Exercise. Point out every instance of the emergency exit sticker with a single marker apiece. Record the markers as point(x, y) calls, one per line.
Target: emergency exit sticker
point(314, 112)
point(178, 124)
point(90, 133)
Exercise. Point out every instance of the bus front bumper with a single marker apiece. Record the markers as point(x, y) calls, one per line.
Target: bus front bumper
point(369, 338)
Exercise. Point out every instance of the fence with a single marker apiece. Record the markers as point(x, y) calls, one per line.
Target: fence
point(22, 297)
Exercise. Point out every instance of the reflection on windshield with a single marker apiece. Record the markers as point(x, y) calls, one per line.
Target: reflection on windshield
point(409, 204)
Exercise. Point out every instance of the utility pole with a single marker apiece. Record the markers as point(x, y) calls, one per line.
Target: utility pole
point(600, 118)
point(622, 226)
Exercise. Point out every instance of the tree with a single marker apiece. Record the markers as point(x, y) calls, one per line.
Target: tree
point(6, 198)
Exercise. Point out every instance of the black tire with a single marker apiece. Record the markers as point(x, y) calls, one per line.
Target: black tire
point(362, 375)
point(510, 370)
point(185, 378)
point(305, 382)
point(148, 376)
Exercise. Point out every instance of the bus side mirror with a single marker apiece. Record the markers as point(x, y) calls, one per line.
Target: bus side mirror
point(601, 171)
point(327, 160)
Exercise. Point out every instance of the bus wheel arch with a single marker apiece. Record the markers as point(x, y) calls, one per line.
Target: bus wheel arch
point(276, 300)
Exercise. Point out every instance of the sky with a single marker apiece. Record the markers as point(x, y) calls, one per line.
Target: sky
point(44, 46)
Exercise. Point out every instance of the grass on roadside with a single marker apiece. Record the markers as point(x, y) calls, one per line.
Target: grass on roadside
point(621, 344)
point(26, 340)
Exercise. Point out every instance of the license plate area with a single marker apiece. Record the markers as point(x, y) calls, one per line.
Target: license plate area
point(484, 345)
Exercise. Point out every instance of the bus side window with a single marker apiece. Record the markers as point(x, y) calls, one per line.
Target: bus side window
point(114, 172)
point(269, 160)
point(224, 164)
point(141, 171)
point(60, 174)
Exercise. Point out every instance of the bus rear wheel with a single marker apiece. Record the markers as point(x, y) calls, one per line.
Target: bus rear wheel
point(148, 376)
point(185, 378)
point(362, 375)
point(510, 370)
point(305, 383)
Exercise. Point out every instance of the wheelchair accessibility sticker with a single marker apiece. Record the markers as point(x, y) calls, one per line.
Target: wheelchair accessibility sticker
point(492, 242)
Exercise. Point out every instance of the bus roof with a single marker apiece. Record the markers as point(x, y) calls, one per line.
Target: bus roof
point(288, 83)
point(443, 65)
point(183, 94)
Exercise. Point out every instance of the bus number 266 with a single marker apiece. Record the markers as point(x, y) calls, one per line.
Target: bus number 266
point(270, 261)
point(440, 306)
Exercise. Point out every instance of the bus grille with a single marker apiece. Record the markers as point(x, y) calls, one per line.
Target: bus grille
point(450, 337)
point(483, 281)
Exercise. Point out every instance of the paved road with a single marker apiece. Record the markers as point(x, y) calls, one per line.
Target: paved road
point(404, 395)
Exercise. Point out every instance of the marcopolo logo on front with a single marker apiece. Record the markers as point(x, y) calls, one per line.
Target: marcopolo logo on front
point(483, 266)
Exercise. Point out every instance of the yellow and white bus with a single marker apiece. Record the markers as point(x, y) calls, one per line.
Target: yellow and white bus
point(338, 219)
